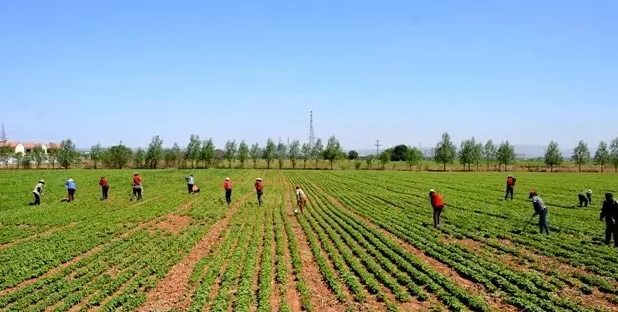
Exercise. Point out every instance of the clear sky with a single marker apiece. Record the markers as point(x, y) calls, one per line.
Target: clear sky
point(398, 71)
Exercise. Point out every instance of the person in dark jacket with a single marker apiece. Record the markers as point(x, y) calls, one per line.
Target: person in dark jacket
point(609, 213)
point(510, 187)
point(437, 203)
point(585, 198)
point(539, 209)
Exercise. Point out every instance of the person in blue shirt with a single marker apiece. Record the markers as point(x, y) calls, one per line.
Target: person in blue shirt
point(70, 185)
point(190, 183)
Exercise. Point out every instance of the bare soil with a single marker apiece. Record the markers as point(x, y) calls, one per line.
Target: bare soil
point(174, 223)
point(172, 291)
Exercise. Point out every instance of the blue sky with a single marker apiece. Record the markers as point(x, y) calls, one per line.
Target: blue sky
point(398, 71)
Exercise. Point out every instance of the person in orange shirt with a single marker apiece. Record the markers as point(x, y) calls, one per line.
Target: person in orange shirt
point(510, 187)
point(137, 186)
point(259, 189)
point(104, 187)
point(227, 186)
point(437, 203)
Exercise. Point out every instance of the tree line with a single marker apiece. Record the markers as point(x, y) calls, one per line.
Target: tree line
point(204, 153)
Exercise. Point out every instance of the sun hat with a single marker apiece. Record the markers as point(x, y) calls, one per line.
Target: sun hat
point(42, 181)
point(258, 179)
point(227, 179)
point(431, 191)
point(589, 191)
point(71, 180)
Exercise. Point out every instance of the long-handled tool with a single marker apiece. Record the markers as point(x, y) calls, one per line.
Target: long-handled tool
point(527, 223)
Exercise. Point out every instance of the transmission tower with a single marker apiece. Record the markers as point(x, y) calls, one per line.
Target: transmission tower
point(378, 147)
point(3, 134)
point(311, 134)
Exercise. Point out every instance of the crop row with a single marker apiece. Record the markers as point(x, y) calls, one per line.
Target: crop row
point(493, 276)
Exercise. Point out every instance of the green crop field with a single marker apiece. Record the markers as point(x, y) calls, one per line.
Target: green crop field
point(365, 243)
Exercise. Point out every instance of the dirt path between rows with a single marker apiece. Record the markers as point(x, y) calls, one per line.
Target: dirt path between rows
point(322, 298)
point(472, 287)
point(94, 250)
point(172, 291)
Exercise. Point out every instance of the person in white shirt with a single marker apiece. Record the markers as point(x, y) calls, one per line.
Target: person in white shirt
point(38, 191)
point(301, 198)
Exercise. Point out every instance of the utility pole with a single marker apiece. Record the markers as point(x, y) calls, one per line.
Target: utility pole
point(3, 135)
point(378, 147)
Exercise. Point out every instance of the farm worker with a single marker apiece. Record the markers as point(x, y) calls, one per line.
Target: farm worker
point(301, 198)
point(190, 183)
point(137, 186)
point(437, 203)
point(227, 186)
point(195, 188)
point(104, 187)
point(585, 198)
point(38, 191)
point(539, 209)
point(259, 189)
point(70, 185)
point(609, 212)
point(510, 186)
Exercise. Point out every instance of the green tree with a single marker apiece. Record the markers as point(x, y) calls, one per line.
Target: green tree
point(269, 152)
point(5, 154)
point(176, 154)
point(52, 156)
point(255, 154)
point(207, 153)
point(294, 152)
point(553, 156)
point(26, 161)
point(465, 153)
point(581, 154)
point(95, 154)
point(193, 151)
point(38, 154)
point(490, 153)
point(352, 155)
point(414, 157)
point(369, 160)
point(613, 153)
point(281, 153)
point(385, 157)
point(139, 158)
point(399, 153)
point(446, 151)
point(333, 151)
point(477, 154)
point(306, 151)
point(505, 155)
point(317, 152)
point(155, 152)
point(118, 155)
point(602, 156)
point(67, 154)
point(243, 153)
point(230, 151)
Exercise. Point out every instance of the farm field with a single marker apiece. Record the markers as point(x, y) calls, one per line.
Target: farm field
point(365, 243)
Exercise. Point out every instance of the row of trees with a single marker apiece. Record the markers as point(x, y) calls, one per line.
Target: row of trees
point(603, 156)
point(204, 153)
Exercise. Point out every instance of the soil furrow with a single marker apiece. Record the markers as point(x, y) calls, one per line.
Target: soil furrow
point(171, 292)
